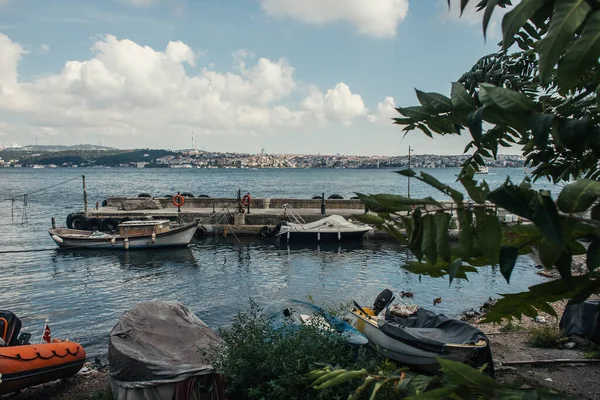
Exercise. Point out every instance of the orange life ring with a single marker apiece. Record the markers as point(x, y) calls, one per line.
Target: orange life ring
point(178, 200)
point(246, 200)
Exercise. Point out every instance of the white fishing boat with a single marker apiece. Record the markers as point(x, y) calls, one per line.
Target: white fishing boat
point(334, 228)
point(129, 235)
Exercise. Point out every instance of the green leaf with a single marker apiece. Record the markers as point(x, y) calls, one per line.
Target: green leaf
point(549, 253)
point(435, 394)
point(593, 254)
point(369, 219)
point(394, 232)
point(545, 217)
point(477, 193)
point(442, 223)
point(563, 265)
point(538, 298)
point(416, 235)
point(391, 203)
point(433, 182)
point(458, 373)
point(491, 4)
point(435, 271)
point(488, 234)
point(514, 199)
point(508, 259)
point(416, 113)
point(578, 196)
point(474, 123)
point(460, 97)
point(505, 99)
point(428, 245)
point(567, 17)
point(516, 18)
point(465, 221)
point(434, 102)
point(454, 268)
point(572, 133)
point(584, 53)
point(541, 124)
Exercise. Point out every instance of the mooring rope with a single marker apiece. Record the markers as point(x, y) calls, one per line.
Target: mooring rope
point(13, 198)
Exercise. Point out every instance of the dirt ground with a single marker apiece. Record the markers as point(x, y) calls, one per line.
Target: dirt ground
point(91, 386)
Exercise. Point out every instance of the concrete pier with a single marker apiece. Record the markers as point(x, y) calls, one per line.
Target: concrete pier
point(220, 215)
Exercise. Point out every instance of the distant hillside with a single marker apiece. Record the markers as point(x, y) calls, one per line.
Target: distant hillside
point(41, 148)
point(85, 157)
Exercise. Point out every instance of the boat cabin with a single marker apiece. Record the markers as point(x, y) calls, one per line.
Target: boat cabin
point(136, 228)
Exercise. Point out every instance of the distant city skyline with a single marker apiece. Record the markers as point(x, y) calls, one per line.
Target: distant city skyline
point(309, 77)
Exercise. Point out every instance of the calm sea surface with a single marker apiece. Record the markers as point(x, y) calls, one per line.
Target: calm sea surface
point(83, 293)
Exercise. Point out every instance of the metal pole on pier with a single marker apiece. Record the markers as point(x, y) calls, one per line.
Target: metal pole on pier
point(85, 208)
point(409, 149)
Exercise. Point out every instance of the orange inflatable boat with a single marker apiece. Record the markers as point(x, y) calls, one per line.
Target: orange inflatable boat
point(23, 365)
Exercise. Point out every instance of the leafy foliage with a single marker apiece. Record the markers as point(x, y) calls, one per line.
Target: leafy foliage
point(261, 362)
point(553, 230)
point(542, 97)
point(458, 381)
point(545, 336)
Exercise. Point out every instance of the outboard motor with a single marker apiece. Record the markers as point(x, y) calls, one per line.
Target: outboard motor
point(383, 300)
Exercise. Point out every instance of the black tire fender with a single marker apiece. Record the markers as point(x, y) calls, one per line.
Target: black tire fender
point(94, 224)
point(336, 197)
point(79, 222)
point(109, 224)
point(144, 195)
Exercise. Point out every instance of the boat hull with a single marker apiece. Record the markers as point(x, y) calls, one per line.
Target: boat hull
point(179, 237)
point(322, 236)
point(30, 365)
point(404, 353)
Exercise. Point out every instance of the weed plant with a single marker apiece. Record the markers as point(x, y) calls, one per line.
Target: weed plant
point(545, 336)
point(258, 361)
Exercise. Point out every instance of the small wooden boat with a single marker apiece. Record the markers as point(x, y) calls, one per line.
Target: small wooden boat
point(334, 228)
point(23, 364)
point(129, 235)
point(419, 338)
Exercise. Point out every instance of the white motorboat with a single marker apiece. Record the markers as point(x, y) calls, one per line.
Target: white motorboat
point(129, 235)
point(482, 170)
point(334, 228)
point(417, 339)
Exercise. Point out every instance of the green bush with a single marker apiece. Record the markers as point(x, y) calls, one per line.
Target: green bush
point(545, 336)
point(261, 362)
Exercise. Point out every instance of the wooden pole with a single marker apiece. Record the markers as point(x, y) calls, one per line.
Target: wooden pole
point(85, 208)
point(53, 223)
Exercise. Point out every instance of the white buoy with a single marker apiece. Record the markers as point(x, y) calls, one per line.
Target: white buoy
point(126, 243)
point(57, 239)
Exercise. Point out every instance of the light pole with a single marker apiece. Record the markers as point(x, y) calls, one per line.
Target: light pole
point(409, 150)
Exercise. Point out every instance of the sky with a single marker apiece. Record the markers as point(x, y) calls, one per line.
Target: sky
point(286, 76)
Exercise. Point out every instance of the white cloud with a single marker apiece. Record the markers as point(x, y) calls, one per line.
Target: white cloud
point(377, 18)
point(141, 3)
point(386, 110)
point(43, 49)
point(141, 95)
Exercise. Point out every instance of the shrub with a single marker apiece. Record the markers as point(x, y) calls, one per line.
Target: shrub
point(545, 336)
point(261, 362)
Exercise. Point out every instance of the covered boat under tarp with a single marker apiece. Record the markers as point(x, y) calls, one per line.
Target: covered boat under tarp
point(155, 352)
point(582, 319)
point(333, 228)
point(419, 338)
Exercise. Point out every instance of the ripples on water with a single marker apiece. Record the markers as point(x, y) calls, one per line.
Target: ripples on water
point(84, 292)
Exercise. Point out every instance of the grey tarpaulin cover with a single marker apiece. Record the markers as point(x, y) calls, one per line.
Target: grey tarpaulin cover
point(582, 319)
point(158, 343)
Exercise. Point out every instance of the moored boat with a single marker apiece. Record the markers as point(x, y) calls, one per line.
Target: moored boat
point(23, 364)
point(420, 336)
point(334, 228)
point(129, 235)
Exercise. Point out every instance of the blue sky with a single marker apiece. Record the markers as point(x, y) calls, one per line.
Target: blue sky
point(287, 76)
